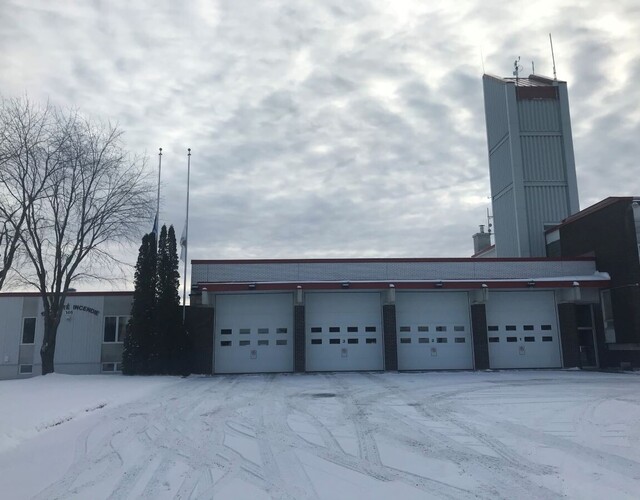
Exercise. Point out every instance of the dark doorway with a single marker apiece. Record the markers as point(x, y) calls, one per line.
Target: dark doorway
point(587, 355)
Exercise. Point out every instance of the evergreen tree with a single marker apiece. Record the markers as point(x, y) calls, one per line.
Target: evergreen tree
point(174, 340)
point(163, 306)
point(138, 356)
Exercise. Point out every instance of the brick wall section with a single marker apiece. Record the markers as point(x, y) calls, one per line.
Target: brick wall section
point(299, 339)
point(479, 331)
point(390, 337)
point(200, 326)
point(569, 335)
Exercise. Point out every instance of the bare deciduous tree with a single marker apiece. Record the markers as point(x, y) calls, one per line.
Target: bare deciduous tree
point(27, 158)
point(95, 195)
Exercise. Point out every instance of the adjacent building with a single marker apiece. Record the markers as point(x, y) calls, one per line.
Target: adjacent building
point(89, 340)
point(609, 232)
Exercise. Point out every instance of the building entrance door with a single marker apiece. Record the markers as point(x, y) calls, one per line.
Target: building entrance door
point(586, 336)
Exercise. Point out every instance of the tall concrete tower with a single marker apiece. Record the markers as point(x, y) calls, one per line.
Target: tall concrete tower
point(531, 162)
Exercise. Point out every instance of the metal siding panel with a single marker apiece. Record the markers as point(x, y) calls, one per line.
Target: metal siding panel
point(27, 353)
point(10, 330)
point(495, 110)
point(543, 159)
point(30, 306)
point(118, 305)
point(251, 272)
point(500, 167)
point(545, 204)
point(79, 339)
point(344, 271)
point(199, 273)
point(539, 115)
point(570, 162)
point(430, 270)
point(505, 225)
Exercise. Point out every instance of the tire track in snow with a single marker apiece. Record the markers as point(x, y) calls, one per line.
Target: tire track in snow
point(509, 465)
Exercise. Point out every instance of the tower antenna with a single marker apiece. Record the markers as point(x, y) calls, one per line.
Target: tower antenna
point(517, 69)
point(553, 58)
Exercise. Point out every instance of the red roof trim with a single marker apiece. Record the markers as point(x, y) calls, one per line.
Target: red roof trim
point(398, 285)
point(389, 260)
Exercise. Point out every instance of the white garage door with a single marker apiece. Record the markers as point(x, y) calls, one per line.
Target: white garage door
point(253, 333)
point(343, 331)
point(523, 330)
point(434, 331)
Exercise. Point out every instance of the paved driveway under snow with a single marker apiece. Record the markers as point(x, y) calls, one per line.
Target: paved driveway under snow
point(527, 434)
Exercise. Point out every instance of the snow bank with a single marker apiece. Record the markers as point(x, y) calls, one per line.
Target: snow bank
point(30, 406)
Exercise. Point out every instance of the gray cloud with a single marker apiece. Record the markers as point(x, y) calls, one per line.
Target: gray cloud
point(327, 129)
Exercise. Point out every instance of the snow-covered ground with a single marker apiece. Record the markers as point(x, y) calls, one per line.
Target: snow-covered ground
point(526, 434)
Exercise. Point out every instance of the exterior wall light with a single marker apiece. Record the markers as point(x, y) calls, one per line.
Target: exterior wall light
point(576, 291)
point(485, 292)
point(299, 295)
point(345, 284)
point(439, 284)
point(531, 284)
point(252, 286)
point(391, 294)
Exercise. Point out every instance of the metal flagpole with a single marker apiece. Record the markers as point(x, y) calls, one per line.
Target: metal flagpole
point(157, 221)
point(186, 247)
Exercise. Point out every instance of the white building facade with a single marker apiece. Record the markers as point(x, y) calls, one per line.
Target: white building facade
point(90, 336)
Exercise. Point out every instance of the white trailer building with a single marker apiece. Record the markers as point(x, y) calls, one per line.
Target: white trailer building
point(89, 337)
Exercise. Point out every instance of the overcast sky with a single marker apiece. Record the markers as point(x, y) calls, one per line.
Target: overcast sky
point(331, 128)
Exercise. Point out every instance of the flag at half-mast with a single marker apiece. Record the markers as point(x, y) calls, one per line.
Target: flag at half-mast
point(183, 243)
point(154, 231)
point(155, 225)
